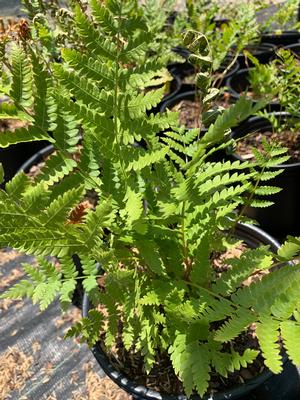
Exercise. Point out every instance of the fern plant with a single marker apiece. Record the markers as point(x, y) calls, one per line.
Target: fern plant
point(279, 79)
point(158, 217)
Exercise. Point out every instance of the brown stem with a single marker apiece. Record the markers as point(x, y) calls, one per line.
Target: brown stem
point(220, 77)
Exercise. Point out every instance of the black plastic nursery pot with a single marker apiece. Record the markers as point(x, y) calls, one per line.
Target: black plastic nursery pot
point(283, 217)
point(233, 70)
point(295, 48)
point(264, 52)
point(14, 156)
point(186, 69)
point(238, 84)
point(170, 103)
point(266, 386)
point(181, 51)
point(36, 158)
point(281, 38)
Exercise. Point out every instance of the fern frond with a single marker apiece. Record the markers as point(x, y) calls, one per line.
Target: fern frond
point(88, 329)
point(40, 242)
point(146, 160)
point(259, 296)
point(258, 203)
point(66, 132)
point(56, 167)
point(95, 221)
point(22, 135)
point(141, 76)
point(237, 324)
point(289, 248)
point(133, 211)
point(191, 361)
point(150, 255)
point(146, 343)
point(22, 289)
point(229, 118)
point(135, 47)
point(44, 104)
point(46, 291)
point(89, 67)
point(103, 17)
point(267, 331)
point(267, 190)
point(11, 111)
point(96, 43)
point(84, 90)
point(268, 175)
point(42, 287)
point(34, 199)
point(68, 283)
point(59, 208)
point(138, 105)
point(17, 185)
point(242, 268)
point(290, 331)
point(238, 361)
point(21, 89)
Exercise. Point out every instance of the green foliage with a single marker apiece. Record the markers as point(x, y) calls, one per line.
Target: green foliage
point(21, 91)
point(278, 80)
point(152, 210)
point(88, 328)
point(285, 18)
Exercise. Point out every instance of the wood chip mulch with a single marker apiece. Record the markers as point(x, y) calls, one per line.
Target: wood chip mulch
point(15, 368)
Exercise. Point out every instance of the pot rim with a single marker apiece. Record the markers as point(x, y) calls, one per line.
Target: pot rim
point(142, 392)
point(265, 46)
point(179, 96)
point(175, 66)
point(35, 158)
point(265, 122)
point(292, 46)
point(291, 32)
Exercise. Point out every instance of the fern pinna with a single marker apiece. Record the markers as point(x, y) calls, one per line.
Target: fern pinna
point(158, 217)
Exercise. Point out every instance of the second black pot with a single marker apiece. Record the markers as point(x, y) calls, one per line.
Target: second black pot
point(283, 217)
point(186, 69)
point(283, 38)
point(264, 52)
point(294, 48)
point(239, 83)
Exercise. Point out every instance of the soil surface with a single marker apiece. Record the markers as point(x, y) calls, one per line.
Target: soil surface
point(10, 124)
point(287, 138)
point(162, 377)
